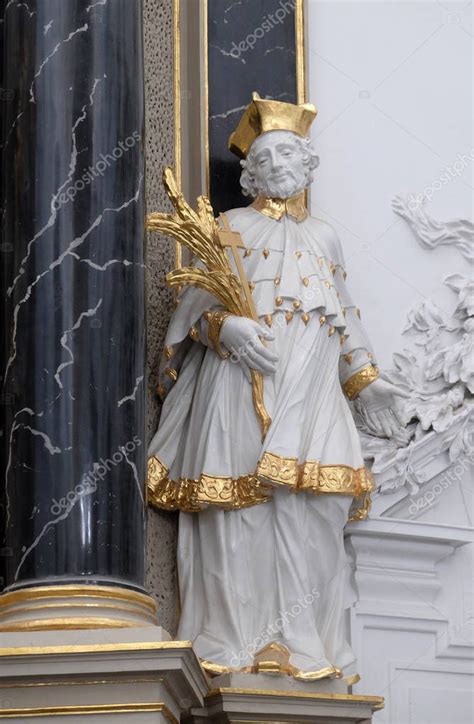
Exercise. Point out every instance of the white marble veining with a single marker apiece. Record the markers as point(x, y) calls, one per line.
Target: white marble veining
point(136, 478)
point(84, 28)
point(13, 430)
point(67, 252)
point(94, 5)
point(65, 338)
point(54, 211)
point(138, 382)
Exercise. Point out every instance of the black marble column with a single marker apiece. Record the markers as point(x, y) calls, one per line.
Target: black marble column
point(72, 256)
point(252, 46)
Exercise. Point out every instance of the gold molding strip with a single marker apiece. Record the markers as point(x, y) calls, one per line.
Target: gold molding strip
point(300, 52)
point(177, 108)
point(70, 623)
point(89, 710)
point(177, 89)
point(205, 113)
point(81, 682)
point(377, 702)
point(70, 590)
point(56, 606)
point(95, 648)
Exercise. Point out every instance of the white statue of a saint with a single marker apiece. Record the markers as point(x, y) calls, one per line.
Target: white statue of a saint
point(261, 558)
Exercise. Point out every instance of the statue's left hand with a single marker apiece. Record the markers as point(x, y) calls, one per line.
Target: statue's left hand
point(380, 406)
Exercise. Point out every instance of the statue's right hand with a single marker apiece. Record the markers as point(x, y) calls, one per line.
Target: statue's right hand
point(243, 338)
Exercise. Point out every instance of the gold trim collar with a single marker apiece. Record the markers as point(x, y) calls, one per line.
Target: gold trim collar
point(277, 208)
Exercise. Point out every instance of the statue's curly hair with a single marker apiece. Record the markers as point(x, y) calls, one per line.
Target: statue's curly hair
point(247, 177)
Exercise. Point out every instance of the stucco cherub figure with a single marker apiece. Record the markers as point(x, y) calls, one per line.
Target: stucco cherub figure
point(261, 558)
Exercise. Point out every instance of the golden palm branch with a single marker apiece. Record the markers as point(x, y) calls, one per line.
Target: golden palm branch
point(199, 232)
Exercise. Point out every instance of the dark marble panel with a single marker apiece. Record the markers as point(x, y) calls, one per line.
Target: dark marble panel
point(252, 47)
point(72, 254)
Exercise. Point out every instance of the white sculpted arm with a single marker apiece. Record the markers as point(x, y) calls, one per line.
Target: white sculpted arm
point(358, 371)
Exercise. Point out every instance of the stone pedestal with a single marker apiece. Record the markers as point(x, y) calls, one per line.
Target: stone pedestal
point(140, 676)
point(134, 676)
point(236, 698)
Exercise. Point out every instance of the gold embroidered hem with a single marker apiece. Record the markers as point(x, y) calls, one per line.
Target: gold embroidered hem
point(352, 680)
point(314, 477)
point(217, 669)
point(329, 672)
point(360, 380)
point(359, 510)
point(277, 208)
point(235, 493)
point(274, 658)
point(193, 495)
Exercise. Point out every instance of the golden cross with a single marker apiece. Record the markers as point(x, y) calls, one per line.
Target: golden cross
point(232, 240)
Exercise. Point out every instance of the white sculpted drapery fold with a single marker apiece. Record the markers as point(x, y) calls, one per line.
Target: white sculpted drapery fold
point(273, 572)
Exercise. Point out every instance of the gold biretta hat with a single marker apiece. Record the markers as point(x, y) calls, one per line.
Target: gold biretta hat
point(264, 115)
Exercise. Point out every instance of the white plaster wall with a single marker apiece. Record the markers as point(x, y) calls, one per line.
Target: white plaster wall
point(393, 85)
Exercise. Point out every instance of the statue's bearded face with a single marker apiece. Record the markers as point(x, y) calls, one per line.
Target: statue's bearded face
point(279, 164)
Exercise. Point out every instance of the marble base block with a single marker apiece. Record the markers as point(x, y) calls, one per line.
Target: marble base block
point(137, 676)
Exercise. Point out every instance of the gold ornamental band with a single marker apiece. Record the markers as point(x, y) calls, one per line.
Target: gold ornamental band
point(72, 590)
point(67, 623)
point(89, 710)
point(236, 493)
point(92, 608)
point(314, 477)
point(119, 648)
point(64, 681)
point(360, 381)
point(103, 607)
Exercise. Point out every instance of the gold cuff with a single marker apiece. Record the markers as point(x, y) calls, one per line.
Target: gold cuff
point(215, 321)
point(360, 380)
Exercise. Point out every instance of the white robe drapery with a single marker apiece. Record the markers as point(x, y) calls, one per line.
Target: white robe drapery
point(269, 538)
